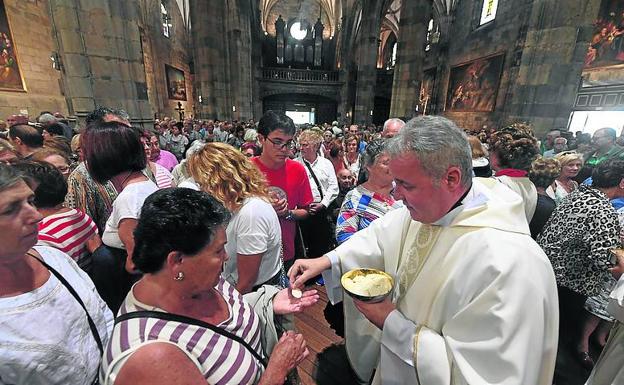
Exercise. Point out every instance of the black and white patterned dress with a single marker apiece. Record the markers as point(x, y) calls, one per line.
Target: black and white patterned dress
point(578, 238)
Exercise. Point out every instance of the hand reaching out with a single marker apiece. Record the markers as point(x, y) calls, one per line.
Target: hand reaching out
point(285, 303)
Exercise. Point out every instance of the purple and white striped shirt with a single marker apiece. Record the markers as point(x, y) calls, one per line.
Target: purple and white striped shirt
point(220, 359)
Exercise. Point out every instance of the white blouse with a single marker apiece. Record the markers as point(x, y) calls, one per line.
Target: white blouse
point(44, 334)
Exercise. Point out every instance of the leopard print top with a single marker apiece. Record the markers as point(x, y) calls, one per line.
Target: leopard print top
point(578, 238)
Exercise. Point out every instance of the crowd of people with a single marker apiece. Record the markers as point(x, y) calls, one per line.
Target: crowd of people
point(179, 253)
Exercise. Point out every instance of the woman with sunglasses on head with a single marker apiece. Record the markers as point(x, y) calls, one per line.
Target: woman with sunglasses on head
point(571, 163)
point(56, 158)
point(371, 199)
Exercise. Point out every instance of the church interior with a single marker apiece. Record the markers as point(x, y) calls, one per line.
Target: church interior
point(481, 63)
point(187, 87)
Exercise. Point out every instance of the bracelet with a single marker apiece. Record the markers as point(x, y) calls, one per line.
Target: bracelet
point(290, 216)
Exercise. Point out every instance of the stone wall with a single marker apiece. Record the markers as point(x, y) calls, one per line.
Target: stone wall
point(550, 69)
point(467, 41)
point(159, 51)
point(544, 44)
point(32, 37)
point(100, 48)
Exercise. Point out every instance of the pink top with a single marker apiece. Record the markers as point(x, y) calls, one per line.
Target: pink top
point(167, 160)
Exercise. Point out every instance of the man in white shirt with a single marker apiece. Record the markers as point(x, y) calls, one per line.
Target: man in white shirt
point(474, 300)
point(220, 132)
point(316, 231)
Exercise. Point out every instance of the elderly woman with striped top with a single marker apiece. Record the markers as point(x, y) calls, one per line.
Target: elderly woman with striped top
point(370, 200)
point(182, 323)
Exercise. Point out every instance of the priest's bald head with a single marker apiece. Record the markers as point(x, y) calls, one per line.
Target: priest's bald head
point(432, 166)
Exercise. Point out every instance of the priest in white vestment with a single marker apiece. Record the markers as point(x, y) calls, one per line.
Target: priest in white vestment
point(609, 369)
point(475, 299)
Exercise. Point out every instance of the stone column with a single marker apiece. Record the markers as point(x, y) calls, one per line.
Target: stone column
point(415, 15)
point(239, 40)
point(367, 61)
point(100, 49)
point(209, 35)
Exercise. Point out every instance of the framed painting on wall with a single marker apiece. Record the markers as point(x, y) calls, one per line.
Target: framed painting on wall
point(425, 98)
point(607, 42)
point(11, 78)
point(176, 85)
point(473, 86)
point(604, 59)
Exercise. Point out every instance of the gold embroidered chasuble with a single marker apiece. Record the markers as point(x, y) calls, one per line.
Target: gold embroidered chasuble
point(447, 275)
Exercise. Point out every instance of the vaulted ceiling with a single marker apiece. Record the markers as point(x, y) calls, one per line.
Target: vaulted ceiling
point(333, 9)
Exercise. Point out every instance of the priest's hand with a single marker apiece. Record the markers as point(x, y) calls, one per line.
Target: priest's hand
point(376, 312)
point(304, 269)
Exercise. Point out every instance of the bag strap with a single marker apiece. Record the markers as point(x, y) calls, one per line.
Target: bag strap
point(94, 331)
point(191, 321)
point(318, 184)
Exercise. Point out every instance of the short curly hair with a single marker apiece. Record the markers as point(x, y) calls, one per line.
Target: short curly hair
point(51, 186)
point(544, 171)
point(175, 219)
point(515, 146)
point(608, 173)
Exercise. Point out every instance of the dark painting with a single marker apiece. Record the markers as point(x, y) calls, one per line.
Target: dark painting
point(473, 86)
point(426, 92)
point(607, 42)
point(176, 85)
point(10, 73)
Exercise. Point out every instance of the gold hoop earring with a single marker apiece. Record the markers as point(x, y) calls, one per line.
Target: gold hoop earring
point(180, 276)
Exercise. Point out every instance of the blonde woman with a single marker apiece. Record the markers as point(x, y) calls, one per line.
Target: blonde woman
point(571, 163)
point(253, 234)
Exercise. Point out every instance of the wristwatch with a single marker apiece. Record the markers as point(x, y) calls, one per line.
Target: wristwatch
point(290, 216)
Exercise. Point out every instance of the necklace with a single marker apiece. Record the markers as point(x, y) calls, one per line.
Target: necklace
point(122, 184)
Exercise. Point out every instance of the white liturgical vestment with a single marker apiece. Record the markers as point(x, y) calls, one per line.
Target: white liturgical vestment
point(609, 369)
point(476, 297)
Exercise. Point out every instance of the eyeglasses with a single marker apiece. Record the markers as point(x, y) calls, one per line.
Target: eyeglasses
point(289, 145)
